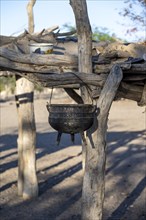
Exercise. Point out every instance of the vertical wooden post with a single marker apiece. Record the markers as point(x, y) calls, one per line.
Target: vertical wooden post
point(94, 177)
point(30, 6)
point(84, 41)
point(84, 50)
point(95, 149)
point(27, 179)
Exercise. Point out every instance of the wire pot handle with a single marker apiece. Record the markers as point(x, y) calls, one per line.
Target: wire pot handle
point(51, 96)
point(49, 103)
point(85, 84)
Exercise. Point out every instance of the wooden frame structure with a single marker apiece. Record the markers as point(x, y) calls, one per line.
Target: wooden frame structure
point(47, 71)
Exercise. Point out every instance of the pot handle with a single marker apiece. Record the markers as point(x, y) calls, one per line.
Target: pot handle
point(49, 103)
point(48, 106)
point(94, 108)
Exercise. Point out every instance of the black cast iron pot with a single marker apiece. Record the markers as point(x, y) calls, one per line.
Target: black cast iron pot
point(71, 118)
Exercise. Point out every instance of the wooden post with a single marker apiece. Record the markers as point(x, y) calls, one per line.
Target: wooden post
point(95, 147)
point(30, 6)
point(27, 179)
point(84, 41)
point(94, 183)
point(84, 50)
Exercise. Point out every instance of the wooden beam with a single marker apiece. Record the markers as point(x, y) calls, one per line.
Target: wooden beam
point(38, 59)
point(54, 80)
point(77, 98)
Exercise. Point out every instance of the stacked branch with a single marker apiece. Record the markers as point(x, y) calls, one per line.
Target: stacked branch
point(45, 36)
point(45, 69)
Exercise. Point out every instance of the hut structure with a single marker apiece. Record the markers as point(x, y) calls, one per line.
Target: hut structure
point(102, 71)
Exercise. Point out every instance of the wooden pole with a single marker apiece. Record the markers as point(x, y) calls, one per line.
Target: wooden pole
point(27, 179)
point(30, 6)
point(84, 50)
point(84, 41)
point(94, 177)
point(95, 147)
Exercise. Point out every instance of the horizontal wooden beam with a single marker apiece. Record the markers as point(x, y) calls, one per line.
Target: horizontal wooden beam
point(38, 59)
point(60, 71)
point(64, 79)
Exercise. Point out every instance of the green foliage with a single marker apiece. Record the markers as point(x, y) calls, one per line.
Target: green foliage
point(99, 33)
point(7, 82)
point(69, 27)
point(38, 88)
point(102, 34)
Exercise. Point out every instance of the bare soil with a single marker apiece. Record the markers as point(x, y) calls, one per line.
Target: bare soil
point(59, 168)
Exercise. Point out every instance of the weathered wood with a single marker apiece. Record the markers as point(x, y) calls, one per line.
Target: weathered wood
point(27, 179)
point(77, 98)
point(26, 36)
point(30, 5)
point(51, 29)
point(84, 34)
point(45, 36)
point(139, 68)
point(73, 79)
point(55, 79)
point(84, 41)
point(5, 40)
point(22, 67)
point(38, 59)
point(133, 68)
point(128, 91)
point(93, 187)
point(134, 77)
point(84, 61)
point(41, 64)
point(43, 39)
point(11, 59)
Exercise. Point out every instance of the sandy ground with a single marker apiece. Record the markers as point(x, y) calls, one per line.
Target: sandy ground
point(59, 168)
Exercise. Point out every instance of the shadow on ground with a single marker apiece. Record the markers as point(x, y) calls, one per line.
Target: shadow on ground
point(60, 201)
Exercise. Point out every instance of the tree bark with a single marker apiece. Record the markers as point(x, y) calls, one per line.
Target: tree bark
point(84, 50)
point(27, 179)
point(94, 147)
point(37, 59)
point(84, 41)
point(94, 183)
point(30, 6)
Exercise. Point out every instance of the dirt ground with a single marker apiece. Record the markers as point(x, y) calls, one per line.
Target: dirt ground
point(59, 168)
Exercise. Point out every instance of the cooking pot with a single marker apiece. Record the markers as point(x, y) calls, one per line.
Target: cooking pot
point(71, 118)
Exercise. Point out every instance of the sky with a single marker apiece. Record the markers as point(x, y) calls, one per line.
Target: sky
point(47, 13)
